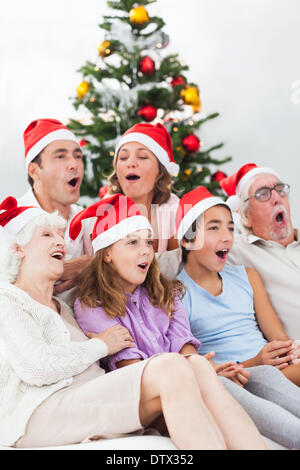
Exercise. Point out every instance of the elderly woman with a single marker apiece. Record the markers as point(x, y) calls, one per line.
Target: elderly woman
point(143, 169)
point(53, 391)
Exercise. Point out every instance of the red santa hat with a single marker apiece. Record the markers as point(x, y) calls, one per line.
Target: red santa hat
point(42, 132)
point(14, 218)
point(117, 216)
point(234, 184)
point(157, 139)
point(191, 206)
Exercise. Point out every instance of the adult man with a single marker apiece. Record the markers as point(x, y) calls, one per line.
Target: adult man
point(268, 241)
point(55, 172)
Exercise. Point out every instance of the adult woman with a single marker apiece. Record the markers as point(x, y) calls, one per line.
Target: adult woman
point(49, 372)
point(143, 168)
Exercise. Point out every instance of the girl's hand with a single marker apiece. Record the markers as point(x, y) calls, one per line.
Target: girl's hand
point(234, 372)
point(276, 353)
point(116, 337)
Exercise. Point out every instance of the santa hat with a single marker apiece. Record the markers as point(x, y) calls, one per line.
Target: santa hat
point(14, 218)
point(157, 139)
point(191, 206)
point(234, 184)
point(117, 216)
point(42, 132)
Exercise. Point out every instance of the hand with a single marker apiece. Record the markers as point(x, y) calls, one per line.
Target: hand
point(72, 269)
point(276, 353)
point(116, 337)
point(234, 372)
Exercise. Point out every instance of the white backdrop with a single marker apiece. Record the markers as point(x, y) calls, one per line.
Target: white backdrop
point(243, 54)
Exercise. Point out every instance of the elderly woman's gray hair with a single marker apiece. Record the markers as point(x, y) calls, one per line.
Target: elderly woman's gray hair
point(10, 260)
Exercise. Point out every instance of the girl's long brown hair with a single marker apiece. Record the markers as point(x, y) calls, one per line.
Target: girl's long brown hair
point(99, 285)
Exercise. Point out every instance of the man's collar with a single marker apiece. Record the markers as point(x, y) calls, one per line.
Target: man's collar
point(29, 199)
point(252, 238)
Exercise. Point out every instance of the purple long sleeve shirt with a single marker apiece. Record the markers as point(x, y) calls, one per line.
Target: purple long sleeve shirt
point(150, 327)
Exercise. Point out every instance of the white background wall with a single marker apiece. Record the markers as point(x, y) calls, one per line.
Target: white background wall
point(243, 54)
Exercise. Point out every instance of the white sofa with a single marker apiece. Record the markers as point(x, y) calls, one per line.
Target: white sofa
point(132, 443)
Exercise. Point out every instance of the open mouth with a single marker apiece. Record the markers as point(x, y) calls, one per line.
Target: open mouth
point(222, 254)
point(57, 255)
point(143, 266)
point(280, 218)
point(132, 177)
point(73, 182)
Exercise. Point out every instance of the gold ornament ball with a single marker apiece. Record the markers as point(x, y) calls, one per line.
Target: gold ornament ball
point(82, 89)
point(104, 49)
point(138, 15)
point(190, 95)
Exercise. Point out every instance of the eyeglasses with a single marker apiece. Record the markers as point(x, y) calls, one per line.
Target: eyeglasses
point(264, 194)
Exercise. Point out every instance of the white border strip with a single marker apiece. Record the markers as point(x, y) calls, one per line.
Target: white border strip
point(120, 230)
point(59, 134)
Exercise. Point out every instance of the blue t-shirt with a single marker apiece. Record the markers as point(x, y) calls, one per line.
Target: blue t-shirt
point(224, 323)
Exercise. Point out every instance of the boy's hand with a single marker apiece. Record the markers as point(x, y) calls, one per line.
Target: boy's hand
point(276, 353)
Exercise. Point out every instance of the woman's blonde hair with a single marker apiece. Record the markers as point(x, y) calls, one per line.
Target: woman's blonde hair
point(162, 187)
point(99, 285)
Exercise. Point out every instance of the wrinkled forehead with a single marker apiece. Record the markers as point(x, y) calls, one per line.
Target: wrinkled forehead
point(263, 180)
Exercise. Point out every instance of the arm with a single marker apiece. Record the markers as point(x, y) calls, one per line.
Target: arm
point(172, 244)
point(278, 351)
point(179, 332)
point(266, 316)
point(35, 360)
point(94, 322)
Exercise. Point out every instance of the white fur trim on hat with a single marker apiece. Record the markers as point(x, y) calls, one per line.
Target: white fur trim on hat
point(194, 213)
point(151, 144)
point(17, 223)
point(120, 230)
point(250, 174)
point(59, 134)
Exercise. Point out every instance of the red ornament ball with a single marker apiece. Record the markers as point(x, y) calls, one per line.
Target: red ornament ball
point(191, 143)
point(177, 81)
point(218, 176)
point(148, 112)
point(83, 142)
point(147, 65)
point(103, 191)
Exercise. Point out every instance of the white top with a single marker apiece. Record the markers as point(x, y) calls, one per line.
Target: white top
point(37, 358)
point(163, 221)
point(279, 268)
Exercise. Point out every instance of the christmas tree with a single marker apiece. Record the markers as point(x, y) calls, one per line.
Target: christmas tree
point(134, 80)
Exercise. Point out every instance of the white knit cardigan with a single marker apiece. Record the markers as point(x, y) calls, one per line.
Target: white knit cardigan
point(37, 358)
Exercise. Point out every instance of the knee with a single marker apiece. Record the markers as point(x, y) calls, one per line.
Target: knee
point(172, 367)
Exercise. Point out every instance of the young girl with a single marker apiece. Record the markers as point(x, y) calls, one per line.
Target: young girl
point(143, 169)
point(228, 307)
point(122, 286)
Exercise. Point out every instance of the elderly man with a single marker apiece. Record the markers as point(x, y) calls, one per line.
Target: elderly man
point(268, 241)
point(55, 172)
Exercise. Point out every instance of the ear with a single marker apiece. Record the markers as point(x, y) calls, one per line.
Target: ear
point(247, 219)
point(18, 249)
point(107, 256)
point(33, 171)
